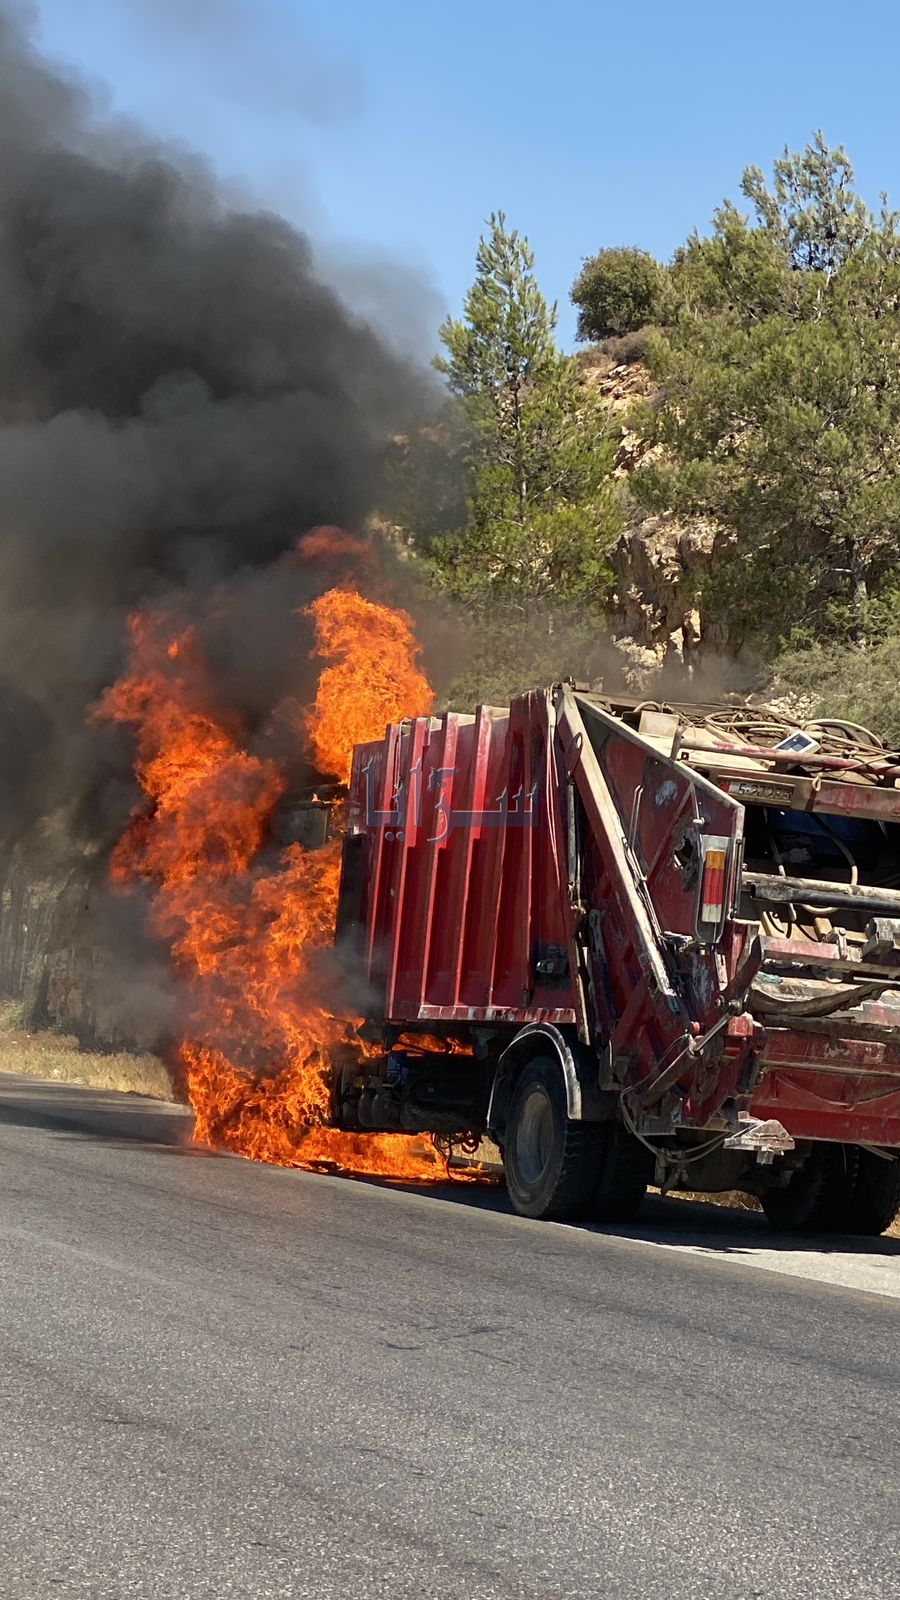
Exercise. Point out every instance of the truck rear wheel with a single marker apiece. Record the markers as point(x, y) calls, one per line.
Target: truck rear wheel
point(875, 1200)
point(551, 1163)
point(818, 1195)
point(626, 1167)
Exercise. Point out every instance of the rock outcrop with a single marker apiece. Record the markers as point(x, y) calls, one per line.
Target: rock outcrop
point(658, 557)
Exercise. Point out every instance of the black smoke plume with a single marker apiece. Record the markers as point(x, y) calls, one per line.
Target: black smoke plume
point(181, 398)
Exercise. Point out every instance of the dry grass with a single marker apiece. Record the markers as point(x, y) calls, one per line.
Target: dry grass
point(733, 1199)
point(57, 1056)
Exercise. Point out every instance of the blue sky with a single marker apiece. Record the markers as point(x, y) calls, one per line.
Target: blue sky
point(399, 126)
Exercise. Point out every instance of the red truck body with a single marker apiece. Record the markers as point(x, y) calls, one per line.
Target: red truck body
point(614, 890)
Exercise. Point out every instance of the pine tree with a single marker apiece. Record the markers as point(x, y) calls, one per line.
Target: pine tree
point(780, 413)
point(542, 508)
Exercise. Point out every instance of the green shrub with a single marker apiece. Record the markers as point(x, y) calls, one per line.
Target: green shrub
point(840, 680)
point(618, 291)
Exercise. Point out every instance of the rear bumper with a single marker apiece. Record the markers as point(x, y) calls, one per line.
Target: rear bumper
point(824, 1086)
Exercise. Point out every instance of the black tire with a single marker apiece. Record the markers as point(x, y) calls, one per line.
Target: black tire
point(817, 1198)
point(551, 1164)
point(626, 1167)
point(875, 1200)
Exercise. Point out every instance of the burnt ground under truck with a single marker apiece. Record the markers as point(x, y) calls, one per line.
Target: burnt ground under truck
point(633, 943)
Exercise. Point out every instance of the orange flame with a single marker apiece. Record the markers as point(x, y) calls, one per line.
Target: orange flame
point(373, 679)
point(328, 544)
point(250, 942)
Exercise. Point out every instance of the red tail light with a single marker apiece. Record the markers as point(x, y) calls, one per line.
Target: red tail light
point(713, 884)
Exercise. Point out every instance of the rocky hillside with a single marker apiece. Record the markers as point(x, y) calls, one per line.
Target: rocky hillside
point(658, 557)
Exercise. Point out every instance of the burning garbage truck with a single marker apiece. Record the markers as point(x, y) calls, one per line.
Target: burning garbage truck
point(632, 944)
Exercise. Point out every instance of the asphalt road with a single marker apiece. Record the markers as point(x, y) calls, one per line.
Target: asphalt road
point(219, 1379)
